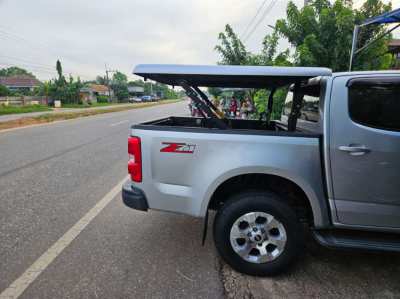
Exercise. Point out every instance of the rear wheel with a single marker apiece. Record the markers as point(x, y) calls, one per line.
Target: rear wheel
point(257, 233)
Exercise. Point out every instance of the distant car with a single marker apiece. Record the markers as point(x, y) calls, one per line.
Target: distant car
point(134, 100)
point(146, 99)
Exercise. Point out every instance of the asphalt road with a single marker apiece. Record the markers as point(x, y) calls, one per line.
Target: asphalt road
point(52, 175)
point(8, 117)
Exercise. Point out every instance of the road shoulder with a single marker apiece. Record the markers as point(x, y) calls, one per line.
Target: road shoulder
point(323, 273)
point(51, 117)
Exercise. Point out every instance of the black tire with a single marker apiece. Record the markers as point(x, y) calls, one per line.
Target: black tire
point(267, 202)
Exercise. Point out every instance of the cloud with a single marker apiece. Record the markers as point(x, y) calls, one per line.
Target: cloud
point(122, 33)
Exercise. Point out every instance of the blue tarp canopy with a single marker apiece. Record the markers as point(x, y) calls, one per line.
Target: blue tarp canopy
point(386, 18)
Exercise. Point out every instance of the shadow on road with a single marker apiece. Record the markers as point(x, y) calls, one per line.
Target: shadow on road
point(324, 273)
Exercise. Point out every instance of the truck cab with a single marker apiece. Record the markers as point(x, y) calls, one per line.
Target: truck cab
point(330, 163)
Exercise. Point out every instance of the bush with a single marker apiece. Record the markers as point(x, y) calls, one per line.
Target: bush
point(102, 99)
point(261, 100)
point(4, 91)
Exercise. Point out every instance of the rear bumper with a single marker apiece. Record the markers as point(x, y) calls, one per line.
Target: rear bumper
point(134, 197)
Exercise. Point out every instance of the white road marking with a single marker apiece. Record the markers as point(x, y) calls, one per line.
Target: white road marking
point(28, 277)
point(118, 123)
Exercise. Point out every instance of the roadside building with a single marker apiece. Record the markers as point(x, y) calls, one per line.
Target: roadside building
point(136, 91)
point(21, 83)
point(91, 92)
point(394, 49)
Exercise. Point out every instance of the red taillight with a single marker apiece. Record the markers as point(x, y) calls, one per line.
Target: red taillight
point(135, 159)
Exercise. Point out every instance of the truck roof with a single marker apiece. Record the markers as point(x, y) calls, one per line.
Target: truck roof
point(228, 75)
point(366, 73)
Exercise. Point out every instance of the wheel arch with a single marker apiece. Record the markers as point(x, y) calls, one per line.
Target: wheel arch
point(245, 178)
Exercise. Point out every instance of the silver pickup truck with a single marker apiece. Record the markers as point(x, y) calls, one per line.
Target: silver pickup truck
point(331, 163)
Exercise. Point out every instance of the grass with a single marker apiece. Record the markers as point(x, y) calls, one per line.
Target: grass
point(97, 104)
point(22, 109)
point(51, 117)
point(93, 105)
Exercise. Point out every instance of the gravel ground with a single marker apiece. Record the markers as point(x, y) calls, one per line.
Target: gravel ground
point(323, 273)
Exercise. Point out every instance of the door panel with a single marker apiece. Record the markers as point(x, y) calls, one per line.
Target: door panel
point(365, 150)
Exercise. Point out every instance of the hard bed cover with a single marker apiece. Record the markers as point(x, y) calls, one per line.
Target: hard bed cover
point(228, 75)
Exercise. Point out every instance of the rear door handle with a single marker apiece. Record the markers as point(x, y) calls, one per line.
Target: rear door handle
point(355, 150)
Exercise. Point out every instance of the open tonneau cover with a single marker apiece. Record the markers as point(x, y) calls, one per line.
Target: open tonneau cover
point(228, 75)
point(191, 77)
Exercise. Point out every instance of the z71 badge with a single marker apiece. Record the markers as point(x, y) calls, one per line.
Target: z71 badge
point(182, 148)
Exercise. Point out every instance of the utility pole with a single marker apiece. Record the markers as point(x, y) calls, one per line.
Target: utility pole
point(108, 82)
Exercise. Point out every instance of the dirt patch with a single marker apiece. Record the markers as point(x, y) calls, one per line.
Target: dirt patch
point(51, 117)
point(324, 273)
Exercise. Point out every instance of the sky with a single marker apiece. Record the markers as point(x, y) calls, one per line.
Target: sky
point(86, 35)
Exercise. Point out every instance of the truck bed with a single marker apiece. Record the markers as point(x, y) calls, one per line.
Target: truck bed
point(185, 159)
point(237, 126)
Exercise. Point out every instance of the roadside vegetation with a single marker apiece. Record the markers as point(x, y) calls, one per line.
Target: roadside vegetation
point(319, 34)
point(51, 117)
point(22, 109)
point(73, 92)
point(92, 105)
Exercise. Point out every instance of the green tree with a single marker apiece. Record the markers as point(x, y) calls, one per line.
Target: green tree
point(321, 34)
point(120, 77)
point(59, 69)
point(60, 89)
point(269, 56)
point(43, 90)
point(136, 83)
point(231, 48)
point(4, 91)
point(72, 89)
point(164, 91)
point(15, 71)
point(215, 91)
point(233, 51)
point(158, 88)
point(101, 80)
point(375, 56)
point(120, 86)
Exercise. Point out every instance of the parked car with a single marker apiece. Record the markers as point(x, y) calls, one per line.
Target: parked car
point(134, 100)
point(146, 98)
point(336, 172)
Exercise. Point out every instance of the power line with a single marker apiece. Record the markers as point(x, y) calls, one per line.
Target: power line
point(254, 18)
point(21, 38)
point(28, 61)
point(37, 46)
point(18, 41)
point(22, 43)
point(108, 81)
point(29, 67)
point(267, 10)
point(33, 46)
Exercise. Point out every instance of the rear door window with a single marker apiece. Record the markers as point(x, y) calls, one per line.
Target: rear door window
point(310, 113)
point(375, 102)
point(310, 108)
